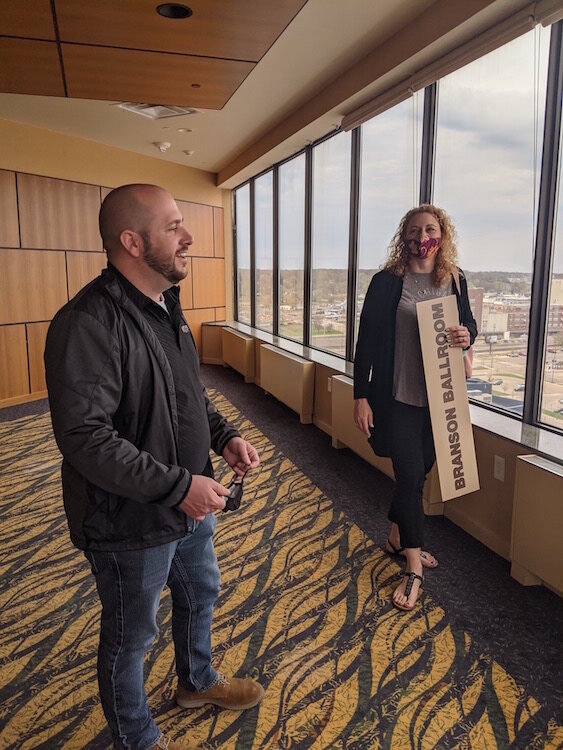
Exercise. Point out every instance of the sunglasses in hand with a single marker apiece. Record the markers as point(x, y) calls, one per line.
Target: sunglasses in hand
point(235, 493)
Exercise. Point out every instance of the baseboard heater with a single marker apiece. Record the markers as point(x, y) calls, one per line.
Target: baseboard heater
point(289, 378)
point(537, 523)
point(344, 431)
point(238, 353)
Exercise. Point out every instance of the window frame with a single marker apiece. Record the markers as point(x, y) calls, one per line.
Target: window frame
point(549, 184)
point(545, 234)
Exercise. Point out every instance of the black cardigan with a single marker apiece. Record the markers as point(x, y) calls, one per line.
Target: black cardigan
point(375, 351)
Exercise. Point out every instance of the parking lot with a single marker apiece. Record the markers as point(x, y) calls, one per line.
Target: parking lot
point(503, 365)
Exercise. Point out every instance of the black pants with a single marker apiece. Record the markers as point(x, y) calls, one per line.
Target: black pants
point(412, 454)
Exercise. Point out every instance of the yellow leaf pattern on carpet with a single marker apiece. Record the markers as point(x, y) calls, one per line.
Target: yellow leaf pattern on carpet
point(305, 607)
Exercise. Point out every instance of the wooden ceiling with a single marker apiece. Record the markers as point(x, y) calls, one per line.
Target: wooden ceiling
point(122, 50)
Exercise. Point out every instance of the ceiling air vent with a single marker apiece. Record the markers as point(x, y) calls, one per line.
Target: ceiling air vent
point(157, 111)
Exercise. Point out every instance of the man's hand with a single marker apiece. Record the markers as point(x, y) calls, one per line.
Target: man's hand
point(204, 496)
point(363, 415)
point(240, 455)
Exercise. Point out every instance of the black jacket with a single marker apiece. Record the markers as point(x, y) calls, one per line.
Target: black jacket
point(113, 408)
point(375, 350)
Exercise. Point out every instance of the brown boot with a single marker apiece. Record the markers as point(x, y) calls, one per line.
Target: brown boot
point(235, 693)
point(165, 743)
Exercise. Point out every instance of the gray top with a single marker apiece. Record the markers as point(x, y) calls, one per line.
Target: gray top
point(409, 385)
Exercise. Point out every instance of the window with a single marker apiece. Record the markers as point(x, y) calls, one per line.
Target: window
point(484, 170)
point(389, 184)
point(330, 243)
point(488, 152)
point(242, 208)
point(552, 386)
point(264, 250)
point(291, 247)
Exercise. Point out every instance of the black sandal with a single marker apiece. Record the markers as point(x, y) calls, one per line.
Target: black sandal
point(398, 552)
point(411, 577)
point(395, 551)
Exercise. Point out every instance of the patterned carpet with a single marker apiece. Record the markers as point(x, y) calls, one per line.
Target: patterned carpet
point(304, 607)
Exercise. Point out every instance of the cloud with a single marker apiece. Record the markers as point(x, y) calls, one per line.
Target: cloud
point(488, 150)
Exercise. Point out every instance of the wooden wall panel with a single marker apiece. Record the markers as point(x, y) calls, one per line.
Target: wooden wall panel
point(186, 289)
point(82, 268)
point(60, 252)
point(36, 335)
point(58, 214)
point(209, 282)
point(221, 313)
point(13, 362)
point(9, 230)
point(32, 285)
point(218, 232)
point(195, 318)
point(198, 220)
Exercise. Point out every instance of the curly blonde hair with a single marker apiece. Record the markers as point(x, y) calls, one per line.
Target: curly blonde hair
point(446, 257)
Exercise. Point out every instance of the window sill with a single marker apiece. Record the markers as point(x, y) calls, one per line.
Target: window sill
point(542, 441)
point(314, 355)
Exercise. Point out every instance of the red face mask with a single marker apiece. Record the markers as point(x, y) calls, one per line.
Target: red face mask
point(425, 249)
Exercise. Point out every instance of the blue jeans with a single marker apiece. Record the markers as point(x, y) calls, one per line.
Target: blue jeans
point(129, 585)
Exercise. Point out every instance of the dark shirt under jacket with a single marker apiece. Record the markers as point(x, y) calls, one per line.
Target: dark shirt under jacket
point(176, 339)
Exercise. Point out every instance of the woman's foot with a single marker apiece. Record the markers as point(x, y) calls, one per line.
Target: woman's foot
point(406, 593)
point(393, 547)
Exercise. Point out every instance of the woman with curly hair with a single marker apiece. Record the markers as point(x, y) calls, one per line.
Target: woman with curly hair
point(391, 406)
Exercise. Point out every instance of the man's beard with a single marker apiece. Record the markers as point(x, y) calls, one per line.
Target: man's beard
point(165, 268)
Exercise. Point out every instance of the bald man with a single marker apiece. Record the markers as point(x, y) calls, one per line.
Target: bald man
point(135, 427)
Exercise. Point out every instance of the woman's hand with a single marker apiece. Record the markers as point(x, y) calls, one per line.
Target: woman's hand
point(363, 415)
point(458, 336)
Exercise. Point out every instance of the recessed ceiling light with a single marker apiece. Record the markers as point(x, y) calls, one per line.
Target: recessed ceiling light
point(189, 152)
point(174, 11)
point(196, 85)
point(184, 130)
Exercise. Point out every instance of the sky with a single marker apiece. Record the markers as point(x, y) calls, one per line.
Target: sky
point(488, 158)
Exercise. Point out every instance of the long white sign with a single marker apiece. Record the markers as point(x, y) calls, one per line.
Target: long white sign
point(447, 398)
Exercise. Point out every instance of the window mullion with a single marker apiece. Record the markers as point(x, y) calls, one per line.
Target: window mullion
point(308, 246)
point(252, 256)
point(545, 229)
point(428, 143)
point(355, 167)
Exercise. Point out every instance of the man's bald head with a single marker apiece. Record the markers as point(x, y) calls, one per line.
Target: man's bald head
point(126, 207)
